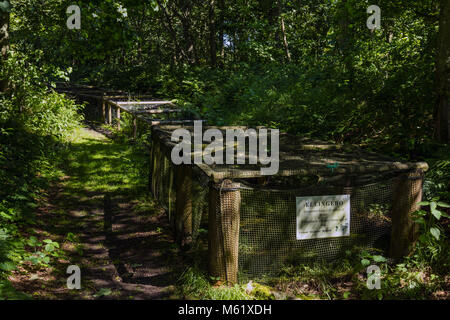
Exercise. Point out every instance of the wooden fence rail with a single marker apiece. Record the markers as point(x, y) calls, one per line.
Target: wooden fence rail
point(140, 107)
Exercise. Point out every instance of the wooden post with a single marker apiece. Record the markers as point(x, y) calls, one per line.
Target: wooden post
point(150, 170)
point(183, 205)
point(155, 172)
point(407, 195)
point(109, 114)
point(134, 127)
point(224, 220)
point(170, 195)
point(103, 110)
point(118, 118)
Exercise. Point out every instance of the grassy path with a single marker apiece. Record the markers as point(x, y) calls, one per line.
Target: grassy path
point(99, 214)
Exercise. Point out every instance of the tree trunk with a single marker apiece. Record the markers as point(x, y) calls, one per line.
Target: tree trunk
point(212, 34)
point(283, 31)
point(344, 39)
point(221, 31)
point(189, 41)
point(443, 74)
point(172, 32)
point(4, 40)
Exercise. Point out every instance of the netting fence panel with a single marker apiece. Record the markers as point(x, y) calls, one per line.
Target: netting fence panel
point(267, 238)
point(166, 177)
point(252, 220)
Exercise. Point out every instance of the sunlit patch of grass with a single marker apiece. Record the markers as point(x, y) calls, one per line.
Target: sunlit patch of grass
point(147, 206)
point(194, 284)
point(97, 165)
point(318, 279)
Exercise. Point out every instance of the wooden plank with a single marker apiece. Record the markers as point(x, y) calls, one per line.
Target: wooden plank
point(162, 122)
point(407, 195)
point(156, 111)
point(103, 111)
point(109, 113)
point(118, 106)
point(223, 231)
point(132, 109)
point(183, 204)
point(118, 118)
point(124, 108)
point(129, 97)
point(142, 102)
point(90, 96)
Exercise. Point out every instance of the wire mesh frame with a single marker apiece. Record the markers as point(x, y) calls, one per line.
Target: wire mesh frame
point(181, 190)
point(265, 238)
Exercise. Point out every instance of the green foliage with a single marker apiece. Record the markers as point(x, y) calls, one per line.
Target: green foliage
point(437, 182)
point(7, 291)
point(409, 279)
point(103, 292)
point(194, 284)
point(43, 251)
point(430, 220)
point(342, 82)
point(35, 123)
point(432, 247)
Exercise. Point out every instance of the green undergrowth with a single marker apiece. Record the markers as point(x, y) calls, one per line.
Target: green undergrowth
point(85, 168)
point(195, 284)
point(415, 277)
point(348, 278)
point(35, 128)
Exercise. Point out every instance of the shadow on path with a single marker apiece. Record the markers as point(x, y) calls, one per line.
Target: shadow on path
point(101, 215)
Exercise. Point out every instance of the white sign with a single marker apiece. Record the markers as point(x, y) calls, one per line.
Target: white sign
point(323, 217)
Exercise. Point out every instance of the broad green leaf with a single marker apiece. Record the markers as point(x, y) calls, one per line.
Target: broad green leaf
point(7, 266)
point(420, 220)
point(420, 213)
point(443, 205)
point(436, 213)
point(103, 292)
point(365, 262)
point(379, 259)
point(445, 215)
point(32, 241)
point(435, 232)
point(433, 205)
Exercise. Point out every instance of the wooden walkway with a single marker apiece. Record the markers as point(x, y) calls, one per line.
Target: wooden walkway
point(140, 107)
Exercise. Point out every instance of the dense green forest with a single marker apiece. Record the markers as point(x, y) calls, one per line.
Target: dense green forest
point(307, 67)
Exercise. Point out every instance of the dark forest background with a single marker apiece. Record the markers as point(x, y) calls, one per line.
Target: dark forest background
point(308, 66)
